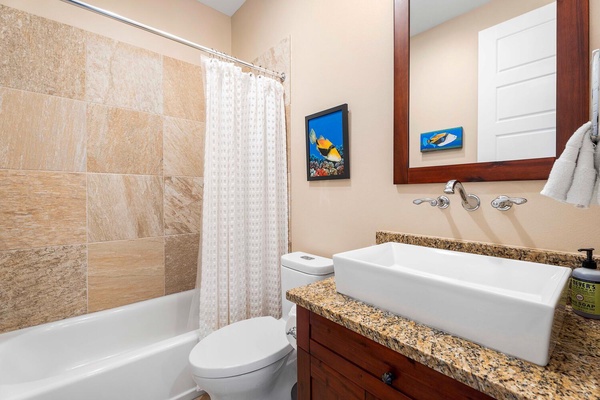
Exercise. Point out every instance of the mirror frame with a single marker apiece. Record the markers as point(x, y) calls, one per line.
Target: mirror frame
point(572, 102)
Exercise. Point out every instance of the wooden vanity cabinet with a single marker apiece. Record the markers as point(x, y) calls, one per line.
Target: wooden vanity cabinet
point(336, 363)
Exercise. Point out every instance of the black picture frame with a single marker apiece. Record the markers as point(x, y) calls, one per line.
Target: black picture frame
point(327, 146)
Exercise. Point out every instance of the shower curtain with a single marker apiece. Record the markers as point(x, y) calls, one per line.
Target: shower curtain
point(245, 212)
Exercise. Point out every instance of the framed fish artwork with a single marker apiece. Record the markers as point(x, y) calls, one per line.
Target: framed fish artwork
point(327, 152)
point(444, 139)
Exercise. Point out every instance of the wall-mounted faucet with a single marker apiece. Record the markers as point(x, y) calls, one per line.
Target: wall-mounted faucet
point(504, 203)
point(470, 202)
point(440, 202)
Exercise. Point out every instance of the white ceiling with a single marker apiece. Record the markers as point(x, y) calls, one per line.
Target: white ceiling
point(228, 7)
point(425, 14)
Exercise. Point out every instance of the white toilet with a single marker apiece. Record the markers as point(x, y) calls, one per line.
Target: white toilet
point(253, 359)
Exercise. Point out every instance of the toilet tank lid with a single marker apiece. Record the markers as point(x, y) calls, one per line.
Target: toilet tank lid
point(307, 263)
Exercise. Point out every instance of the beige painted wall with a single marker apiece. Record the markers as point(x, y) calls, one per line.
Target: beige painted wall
point(342, 52)
point(188, 19)
point(443, 79)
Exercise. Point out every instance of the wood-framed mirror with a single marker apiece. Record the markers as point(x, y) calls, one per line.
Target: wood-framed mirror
point(572, 102)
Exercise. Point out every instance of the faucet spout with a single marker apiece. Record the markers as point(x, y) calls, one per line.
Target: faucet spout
point(470, 202)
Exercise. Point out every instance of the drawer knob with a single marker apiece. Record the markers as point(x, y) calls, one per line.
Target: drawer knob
point(388, 377)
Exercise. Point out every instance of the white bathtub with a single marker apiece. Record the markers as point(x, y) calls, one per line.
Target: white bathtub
point(139, 351)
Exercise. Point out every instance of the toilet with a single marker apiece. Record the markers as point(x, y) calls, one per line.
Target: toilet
point(253, 359)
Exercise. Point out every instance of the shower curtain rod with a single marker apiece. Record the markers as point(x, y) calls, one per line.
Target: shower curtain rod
point(167, 35)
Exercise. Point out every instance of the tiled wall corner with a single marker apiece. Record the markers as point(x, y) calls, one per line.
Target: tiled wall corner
point(279, 58)
point(181, 260)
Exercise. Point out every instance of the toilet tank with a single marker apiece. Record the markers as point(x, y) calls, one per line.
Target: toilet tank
point(299, 269)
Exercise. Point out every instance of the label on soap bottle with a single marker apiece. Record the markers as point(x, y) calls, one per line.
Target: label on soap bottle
point(585, 296)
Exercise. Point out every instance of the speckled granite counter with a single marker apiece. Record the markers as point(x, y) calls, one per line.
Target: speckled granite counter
point(573, 371)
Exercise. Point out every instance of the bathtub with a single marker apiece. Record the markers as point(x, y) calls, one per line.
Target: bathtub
point(138, 351)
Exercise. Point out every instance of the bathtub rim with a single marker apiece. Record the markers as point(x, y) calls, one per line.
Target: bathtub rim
point(90, 316)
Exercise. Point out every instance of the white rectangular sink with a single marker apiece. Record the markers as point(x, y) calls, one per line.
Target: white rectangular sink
point(512, 306)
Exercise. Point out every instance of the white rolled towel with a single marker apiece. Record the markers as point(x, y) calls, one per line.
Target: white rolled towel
point(561, 176)
point(290, 327)
point(596, 195)
point(584, 177)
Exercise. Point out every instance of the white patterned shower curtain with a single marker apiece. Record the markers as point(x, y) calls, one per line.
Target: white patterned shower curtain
point(245, 214)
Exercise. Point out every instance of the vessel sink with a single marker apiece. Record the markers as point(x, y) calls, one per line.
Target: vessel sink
point(512, 306)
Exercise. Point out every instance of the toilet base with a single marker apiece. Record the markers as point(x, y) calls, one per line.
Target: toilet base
point(273, 382)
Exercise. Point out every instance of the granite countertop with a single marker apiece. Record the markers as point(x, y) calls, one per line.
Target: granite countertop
point(573, 371)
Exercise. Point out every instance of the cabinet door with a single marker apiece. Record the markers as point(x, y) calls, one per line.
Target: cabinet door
point(327, 384)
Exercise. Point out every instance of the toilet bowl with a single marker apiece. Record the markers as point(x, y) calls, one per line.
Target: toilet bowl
point(244, 360)
point(253, 359)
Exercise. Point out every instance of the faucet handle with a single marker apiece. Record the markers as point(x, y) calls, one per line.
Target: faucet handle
point(432, 202)
point(504, 202)
point(440, 202)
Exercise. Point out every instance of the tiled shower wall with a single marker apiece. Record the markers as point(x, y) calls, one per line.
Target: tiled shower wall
point(101, 166)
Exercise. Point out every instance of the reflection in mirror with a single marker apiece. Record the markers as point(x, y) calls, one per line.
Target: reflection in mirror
point(488, 66)
point(439, 93)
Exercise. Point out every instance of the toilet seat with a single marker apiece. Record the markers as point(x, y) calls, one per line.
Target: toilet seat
point(240, 348)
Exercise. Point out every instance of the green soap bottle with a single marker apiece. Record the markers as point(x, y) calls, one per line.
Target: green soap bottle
point(585, 288)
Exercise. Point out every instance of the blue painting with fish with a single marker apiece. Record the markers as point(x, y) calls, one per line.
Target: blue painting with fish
point(444, 139)
point(326, 138)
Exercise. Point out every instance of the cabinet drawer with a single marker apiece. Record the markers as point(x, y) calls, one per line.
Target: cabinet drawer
point(326, 383)
point(374, 387)
point(411, 378)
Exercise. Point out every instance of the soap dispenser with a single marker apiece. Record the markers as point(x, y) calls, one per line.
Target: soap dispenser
point(585, 288)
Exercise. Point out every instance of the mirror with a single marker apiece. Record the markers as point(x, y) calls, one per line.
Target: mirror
point(572, 103)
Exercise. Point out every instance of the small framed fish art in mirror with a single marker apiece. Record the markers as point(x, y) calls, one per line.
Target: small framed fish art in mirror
point(444, 139)
point(327, 151)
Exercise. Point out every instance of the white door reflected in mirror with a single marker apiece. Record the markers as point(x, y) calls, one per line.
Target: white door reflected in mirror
point(517, 88)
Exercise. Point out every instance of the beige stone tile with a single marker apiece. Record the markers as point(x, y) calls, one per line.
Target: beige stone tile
point(278, 58)
point(41, 132)
point(122, 75)
point(41, 285)
point(123, 141)
point(183, 147)
point(125, 272)
point(183, 205)
point(181, 262)
point(124, 207)
point(288, 135)
point(40, 55)
point(183, 90)
point(41, 209)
